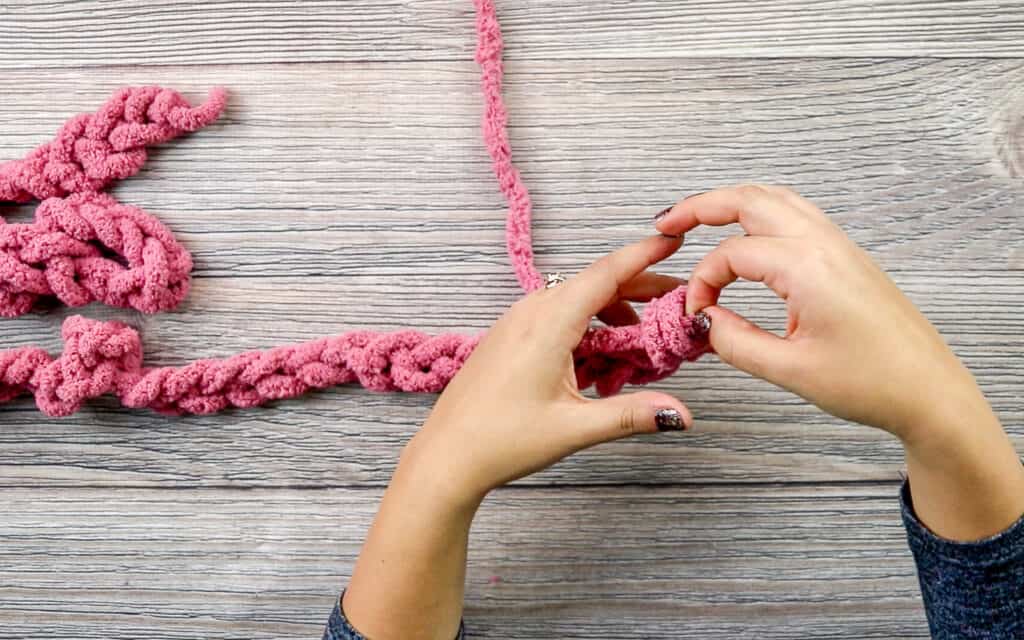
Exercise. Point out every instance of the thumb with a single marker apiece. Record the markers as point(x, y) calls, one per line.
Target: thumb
point(629, 414)
point(746, 346)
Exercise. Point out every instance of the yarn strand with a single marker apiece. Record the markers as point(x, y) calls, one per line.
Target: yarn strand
point(102, 358)
point(85, 246)
point(495, 133)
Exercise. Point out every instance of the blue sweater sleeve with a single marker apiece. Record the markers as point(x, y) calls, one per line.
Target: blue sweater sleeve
point(970, 589)
point(338, 627)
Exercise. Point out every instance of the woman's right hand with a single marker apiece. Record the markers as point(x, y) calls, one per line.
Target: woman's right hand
point(854, 346)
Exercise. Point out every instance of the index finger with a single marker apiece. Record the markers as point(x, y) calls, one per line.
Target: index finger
point(759, 210)
point(766, 260)
point(595, 287)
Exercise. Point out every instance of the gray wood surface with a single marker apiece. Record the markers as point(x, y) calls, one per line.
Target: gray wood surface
point(748, 430)
point(160, 32)
point(348, 172)
point(612, 562)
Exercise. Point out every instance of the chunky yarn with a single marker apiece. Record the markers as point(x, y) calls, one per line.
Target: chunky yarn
point(92, 150)
point(106, 357)
point(88, 247)
point(84, 246)
point(495, 133)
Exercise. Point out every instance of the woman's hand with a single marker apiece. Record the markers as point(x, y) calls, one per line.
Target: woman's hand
point(856, 347)
point(514, 408)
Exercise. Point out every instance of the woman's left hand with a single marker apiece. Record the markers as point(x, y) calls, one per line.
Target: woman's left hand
point(514, 408)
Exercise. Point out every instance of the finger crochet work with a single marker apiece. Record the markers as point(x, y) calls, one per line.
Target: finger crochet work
point(85, 246)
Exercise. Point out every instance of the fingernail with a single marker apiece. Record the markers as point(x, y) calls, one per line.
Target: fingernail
point(701, 323)
point(661, 214)
point(669, 420)
point(694, 195)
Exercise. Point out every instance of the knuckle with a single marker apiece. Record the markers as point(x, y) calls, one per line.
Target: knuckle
point(522, 318)
point(757, 362)
point(629, 421)
point(730, 349)
point(799, 370)
point(701, 273)
point(816, 251)
point(751, 191)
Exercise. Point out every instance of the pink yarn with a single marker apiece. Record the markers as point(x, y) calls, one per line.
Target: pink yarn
point(84, 246)
point(59, 256)
point(106, 357)
point(92, 150)
point(495, 132)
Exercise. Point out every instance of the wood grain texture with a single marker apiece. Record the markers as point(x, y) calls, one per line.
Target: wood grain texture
point(748, 431)
point(1008, 131)
point(347, 187)
point(558, 563)
point(381, 207)
point(161, 32)
point(370, 169)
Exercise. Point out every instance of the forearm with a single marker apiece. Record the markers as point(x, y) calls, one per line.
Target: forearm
point(966, 479)
point(409, 580)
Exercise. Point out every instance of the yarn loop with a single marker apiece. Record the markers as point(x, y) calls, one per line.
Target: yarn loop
point(88, 247)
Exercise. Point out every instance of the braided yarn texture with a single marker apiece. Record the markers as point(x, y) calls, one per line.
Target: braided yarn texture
point(84, 246)
point(92, 150)
point(88, 247)
point(106, 358)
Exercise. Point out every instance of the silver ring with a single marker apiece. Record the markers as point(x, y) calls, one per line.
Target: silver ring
point(553, 280)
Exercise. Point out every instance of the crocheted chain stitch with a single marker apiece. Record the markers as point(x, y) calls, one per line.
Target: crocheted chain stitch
point(93, 150)
point(495, 133)
point(58, 256)
point(84, 246)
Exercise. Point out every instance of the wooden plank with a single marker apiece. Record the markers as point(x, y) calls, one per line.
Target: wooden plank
point(119, 32)
point(378, 168)
point(382, 208)
point(977, 310)
point(718, 562)
point(361, 182)
point(748, 431)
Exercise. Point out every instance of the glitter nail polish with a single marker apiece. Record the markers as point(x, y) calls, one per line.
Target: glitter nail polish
point(702, 322)
point(669, 420)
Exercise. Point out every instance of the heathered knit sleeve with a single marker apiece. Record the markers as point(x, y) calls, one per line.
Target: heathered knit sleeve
point(338, 627)
point(970, 589)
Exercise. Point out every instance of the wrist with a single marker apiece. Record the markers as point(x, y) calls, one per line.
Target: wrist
point(948, 427)
point(966, 478)
point(436, 481)
point(944, 406)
